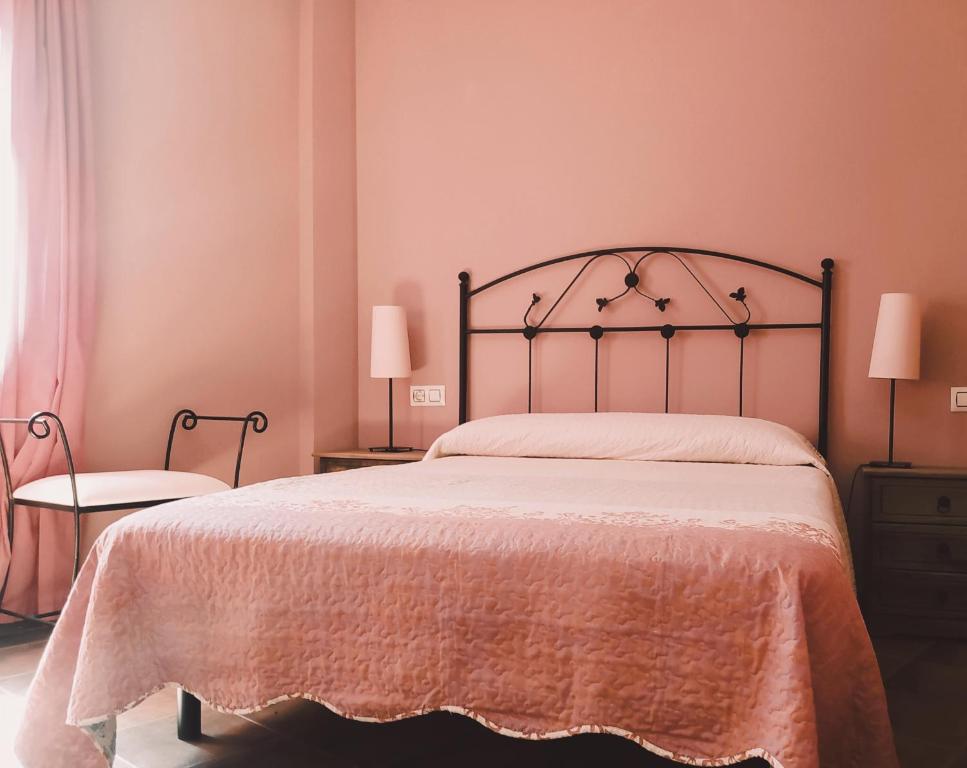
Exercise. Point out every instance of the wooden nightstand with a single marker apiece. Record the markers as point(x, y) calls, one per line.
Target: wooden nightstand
point(910, 550)
point(354, 458)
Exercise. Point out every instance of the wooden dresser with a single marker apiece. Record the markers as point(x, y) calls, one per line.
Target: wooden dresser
point(354, 458)
point(910, 550)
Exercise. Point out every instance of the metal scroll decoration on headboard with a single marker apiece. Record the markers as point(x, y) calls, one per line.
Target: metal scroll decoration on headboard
point(735, 311)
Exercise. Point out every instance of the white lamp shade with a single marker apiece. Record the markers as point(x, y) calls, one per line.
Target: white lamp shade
point(390, 346)
point(896, 344)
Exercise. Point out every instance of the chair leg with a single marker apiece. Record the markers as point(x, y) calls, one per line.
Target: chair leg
point(77, 545)
point(189, 716)
point(6, 574)
point(48, 618)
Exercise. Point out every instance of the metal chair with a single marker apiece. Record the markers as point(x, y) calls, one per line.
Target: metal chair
point(83, 493)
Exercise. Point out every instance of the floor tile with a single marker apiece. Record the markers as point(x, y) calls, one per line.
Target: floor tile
point(11, 713)
point(155, 745)
point(917, 753)
point(162, 704)
point(893, 652)
point(949, 653)
point(930, 678)
point(280, 753)
point(18, 659)
point(958, 761)
point(926, 702)
point(17, 684)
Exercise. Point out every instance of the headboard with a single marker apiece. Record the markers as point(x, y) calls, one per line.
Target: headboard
point(739, 321)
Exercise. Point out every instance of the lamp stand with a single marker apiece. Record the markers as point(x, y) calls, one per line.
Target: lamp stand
point(394, 448)
point(890, 462)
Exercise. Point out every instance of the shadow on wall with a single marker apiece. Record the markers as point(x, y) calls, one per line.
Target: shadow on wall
point(409, 294)
point(941, 349)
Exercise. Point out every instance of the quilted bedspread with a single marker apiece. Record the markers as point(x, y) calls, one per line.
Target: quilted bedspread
point(703, 610)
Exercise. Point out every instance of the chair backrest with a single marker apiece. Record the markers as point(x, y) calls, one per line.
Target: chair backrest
point(189, 420)
point(38, 426)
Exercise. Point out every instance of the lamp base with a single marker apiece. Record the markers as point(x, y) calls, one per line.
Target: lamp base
point(891, 464)
point(390, 449)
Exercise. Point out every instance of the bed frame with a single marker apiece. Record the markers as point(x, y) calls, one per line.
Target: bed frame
point(738, 322)
point(189, 707)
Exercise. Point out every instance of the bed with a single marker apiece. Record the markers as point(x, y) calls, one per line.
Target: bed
point(681, 581)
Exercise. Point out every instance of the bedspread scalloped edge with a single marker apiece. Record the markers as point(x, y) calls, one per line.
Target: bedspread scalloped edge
point(93, 727)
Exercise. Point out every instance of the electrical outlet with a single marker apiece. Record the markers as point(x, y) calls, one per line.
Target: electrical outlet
point(428, 395)
point(958, 399)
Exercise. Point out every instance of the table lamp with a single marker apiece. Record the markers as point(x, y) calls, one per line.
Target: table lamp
point(896, 351)
point(389, 358)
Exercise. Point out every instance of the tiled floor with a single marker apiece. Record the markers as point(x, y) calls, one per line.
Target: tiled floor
point(926, 683)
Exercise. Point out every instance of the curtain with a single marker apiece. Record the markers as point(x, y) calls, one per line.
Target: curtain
point(46, 271)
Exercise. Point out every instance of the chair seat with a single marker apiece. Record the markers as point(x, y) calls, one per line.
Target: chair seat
point(130, 488)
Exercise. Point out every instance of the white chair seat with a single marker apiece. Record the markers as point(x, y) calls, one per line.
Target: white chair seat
point(95, 489)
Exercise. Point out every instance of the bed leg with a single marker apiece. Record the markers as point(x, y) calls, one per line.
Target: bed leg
point(189, 716)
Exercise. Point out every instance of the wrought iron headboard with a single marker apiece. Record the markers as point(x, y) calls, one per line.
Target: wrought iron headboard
point(633, 257)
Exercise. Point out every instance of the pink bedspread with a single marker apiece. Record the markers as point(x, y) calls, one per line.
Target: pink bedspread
point(705, 611)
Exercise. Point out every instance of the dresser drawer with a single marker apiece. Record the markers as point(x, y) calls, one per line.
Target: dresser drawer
point(921, 594)
point(913, 501)
point(920, 547)
point(341, 465)
point(337, 465)
point(357, 458)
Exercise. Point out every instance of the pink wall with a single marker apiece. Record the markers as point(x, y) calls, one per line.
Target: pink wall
point(195, 140)
point(333, 168)
point(217, 258)
point(491, 135)
point(327, 227)
point(486, 136)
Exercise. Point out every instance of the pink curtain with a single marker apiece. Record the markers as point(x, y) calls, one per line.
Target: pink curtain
point(46, 310)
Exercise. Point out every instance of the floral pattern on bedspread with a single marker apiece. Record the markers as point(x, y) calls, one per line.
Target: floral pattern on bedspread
point(704, 611)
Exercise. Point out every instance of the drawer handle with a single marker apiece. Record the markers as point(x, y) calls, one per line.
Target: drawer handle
point(943, 505)
point(943, 551)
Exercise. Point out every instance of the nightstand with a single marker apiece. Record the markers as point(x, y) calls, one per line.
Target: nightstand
point(354, 458)
point(909, 543)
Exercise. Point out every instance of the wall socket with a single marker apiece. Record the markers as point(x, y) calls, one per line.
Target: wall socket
point(428, 395)
point(958, 399)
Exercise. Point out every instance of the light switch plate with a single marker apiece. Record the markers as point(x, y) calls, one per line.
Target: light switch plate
point(958, 399)
point(428, 395)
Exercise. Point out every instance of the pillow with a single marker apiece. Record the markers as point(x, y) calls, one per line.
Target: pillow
point(630, 437)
